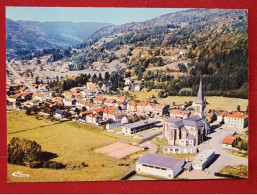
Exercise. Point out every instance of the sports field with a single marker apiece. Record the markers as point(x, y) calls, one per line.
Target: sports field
point(118, 150)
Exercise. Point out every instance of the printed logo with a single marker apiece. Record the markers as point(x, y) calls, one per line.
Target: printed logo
point(20, 174)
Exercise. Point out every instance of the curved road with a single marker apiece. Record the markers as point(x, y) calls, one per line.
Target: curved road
point(224, 158)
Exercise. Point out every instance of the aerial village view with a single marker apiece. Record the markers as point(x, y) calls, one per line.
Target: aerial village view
point(162, 98)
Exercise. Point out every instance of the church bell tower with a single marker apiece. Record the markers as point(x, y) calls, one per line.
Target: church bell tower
point(200, 104)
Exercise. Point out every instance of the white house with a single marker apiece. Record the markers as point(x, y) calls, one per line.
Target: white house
point(159, 165)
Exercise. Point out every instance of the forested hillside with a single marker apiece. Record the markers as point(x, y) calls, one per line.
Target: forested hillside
point(32, 35)
point(170, 52)
point(215, 43)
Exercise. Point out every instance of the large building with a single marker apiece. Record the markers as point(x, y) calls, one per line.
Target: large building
point(139, 126)
point(237, 120)
point(190, 131)
point(158, 165)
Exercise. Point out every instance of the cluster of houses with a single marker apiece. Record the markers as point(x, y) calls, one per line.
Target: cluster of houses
point(94, 108)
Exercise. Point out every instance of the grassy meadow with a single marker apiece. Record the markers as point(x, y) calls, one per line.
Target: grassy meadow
point(72, 143)
point(214, 102)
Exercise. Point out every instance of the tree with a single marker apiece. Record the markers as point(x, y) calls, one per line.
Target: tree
point(238, 108)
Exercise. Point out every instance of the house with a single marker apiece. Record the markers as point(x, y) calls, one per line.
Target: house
point(69, 102)
point(80, 104)
point(132, 128)
point(26, 96)
point(228, 142)
point(203, 159)
point(119, 116)
point(175, 58)
point(122, 98)
point(182, 53)
point(221, 117)
point(237, 120)
point(110, 102)
point(94, 119)
point(99, 100)
point(85, 113)
point(59, 114)
point(38, 97)
point(14, 98)
point(127, 119)
point(132, 106)
point(181, 114)
point(106, 88)
point(128, 81)
point(121, 105)
point(141, 107)
point(126, 88)
point(109, 113)
point(68, 94)
point(77, 95)
point(210, 115)
point(157, 109)
point(137, 87)
point(91, 85)
point(159, 165)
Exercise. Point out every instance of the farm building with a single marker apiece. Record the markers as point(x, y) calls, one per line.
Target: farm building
point(203, 159)
point(159, 165)
point(139, 126)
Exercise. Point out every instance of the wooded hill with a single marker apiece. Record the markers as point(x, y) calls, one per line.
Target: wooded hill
point(215, 41)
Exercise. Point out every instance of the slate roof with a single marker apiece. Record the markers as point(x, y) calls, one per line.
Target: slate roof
point(200, 97)
point(159, 160)
point(141, 123)
point(194, 121)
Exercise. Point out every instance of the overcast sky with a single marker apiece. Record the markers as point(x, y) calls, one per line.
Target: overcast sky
point(80, 14)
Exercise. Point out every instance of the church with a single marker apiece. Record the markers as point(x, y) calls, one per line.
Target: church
point(190, 131)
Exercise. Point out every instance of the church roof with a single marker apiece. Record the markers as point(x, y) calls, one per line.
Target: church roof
point(200, 97)
point(194, 121)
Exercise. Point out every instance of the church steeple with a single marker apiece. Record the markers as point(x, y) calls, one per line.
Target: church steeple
point(200, 104)
point(200, 97)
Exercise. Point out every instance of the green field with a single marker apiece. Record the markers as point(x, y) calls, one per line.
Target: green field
point(73, 144)
point(214, 102)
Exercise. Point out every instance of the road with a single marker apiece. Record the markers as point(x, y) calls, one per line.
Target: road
point(152, 147)
point(224, 158)
point(32, 89)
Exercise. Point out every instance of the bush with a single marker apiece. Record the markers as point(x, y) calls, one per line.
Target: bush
point(29, 153)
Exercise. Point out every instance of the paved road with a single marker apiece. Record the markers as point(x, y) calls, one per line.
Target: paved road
point(151, 146)
point(224, 158)
point(32, 89)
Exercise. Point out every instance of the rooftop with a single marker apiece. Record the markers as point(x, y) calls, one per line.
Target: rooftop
point(203, 156)
point(141, 123)
point(159, 160)
point(229, 139)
